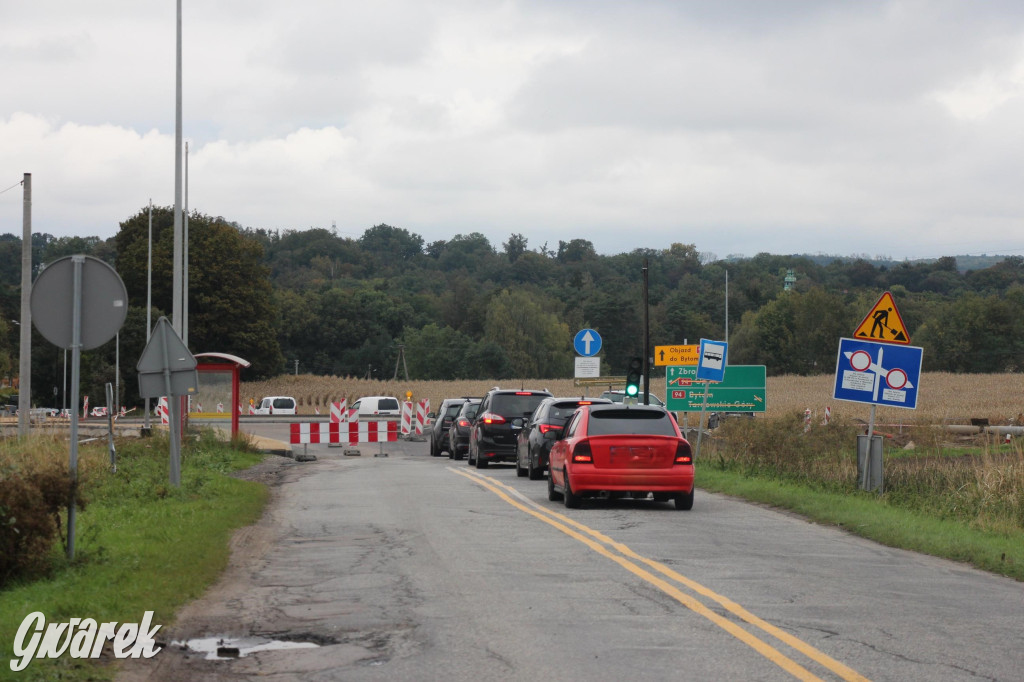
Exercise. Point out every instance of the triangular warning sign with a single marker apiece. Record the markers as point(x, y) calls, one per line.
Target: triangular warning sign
point(883, 323)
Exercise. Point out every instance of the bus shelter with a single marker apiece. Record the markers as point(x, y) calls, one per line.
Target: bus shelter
point(218, 387)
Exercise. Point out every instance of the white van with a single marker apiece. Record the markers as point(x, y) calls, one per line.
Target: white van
point(276, 404)
point(376, 407)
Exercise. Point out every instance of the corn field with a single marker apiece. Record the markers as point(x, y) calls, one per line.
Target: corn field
point(943, 398)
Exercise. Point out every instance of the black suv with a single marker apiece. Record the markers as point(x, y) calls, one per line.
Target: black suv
point(458, 434)
point(533, 448)
point(498, 422)
point(442, 422)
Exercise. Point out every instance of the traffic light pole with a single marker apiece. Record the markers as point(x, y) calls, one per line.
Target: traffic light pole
point(647, 344)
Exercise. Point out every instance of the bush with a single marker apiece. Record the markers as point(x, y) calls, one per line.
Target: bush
point(30, 519)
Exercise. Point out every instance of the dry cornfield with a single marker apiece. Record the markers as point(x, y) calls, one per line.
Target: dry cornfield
point(943, 398)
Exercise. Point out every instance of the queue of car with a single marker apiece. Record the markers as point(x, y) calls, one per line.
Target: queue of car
point(606, 447)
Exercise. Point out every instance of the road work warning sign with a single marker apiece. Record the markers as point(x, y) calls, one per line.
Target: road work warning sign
point(883, 323)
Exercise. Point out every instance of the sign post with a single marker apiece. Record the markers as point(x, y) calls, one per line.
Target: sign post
point(710, 367)
point(166, 367)
point(78, 303)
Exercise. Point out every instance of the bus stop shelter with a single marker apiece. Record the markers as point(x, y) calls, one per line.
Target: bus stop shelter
point(218, 382)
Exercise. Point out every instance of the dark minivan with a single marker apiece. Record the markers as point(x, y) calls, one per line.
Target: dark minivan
point(495, 431)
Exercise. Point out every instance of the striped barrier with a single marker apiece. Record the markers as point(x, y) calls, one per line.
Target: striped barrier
point(162, 409)
point(351, 433)
point(314, 432)
point(406, 418)
point(422, 408)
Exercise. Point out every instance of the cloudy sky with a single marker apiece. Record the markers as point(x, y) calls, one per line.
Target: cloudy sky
point(869, 127)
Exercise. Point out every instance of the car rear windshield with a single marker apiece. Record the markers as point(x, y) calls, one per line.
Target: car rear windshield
point(453, 410)
point(516, 404)
point(560, 412)
point(387, 404)
point(469, 411)
point(646, 422)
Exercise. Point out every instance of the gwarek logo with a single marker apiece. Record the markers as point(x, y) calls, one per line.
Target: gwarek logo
point(81, 638)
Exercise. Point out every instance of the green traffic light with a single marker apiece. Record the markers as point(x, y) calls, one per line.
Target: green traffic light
point(632, 390)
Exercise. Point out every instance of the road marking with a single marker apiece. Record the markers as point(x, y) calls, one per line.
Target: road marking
point(626, 558)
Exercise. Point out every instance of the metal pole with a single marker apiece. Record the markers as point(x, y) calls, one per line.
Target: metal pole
point(25, 352)
point(700, 423)
point(76, 363)
point(184, 261)
point(176, 282)
point(117, 373)
point(149, 296)
point(647, 343)
point(727, 306)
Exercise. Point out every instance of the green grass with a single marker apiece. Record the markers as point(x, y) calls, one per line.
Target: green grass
point(141, 545)
point(868, 515)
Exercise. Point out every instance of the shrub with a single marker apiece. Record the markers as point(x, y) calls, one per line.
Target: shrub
point(31, 503)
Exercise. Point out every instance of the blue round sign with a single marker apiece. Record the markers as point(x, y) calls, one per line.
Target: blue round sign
point(587, 342)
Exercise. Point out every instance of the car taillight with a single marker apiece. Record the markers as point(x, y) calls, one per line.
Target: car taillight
point(581, 454)
point(464, 423)
point(683, 454)
point(584, 402)
point(491, 418)
point(544, 428)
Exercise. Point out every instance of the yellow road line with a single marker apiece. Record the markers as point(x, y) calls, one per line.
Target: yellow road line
point(566, 525)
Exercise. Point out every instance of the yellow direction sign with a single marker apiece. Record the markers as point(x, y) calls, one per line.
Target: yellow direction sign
point(676, 355)
point(883, 323)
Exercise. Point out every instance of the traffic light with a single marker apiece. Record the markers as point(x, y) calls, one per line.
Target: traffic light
point(633, 376)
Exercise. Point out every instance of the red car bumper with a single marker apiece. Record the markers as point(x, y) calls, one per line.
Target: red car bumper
point(584, 478)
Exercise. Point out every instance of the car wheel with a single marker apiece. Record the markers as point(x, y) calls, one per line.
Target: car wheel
point(571, 499)
point(456, 455)
point(553, 495)
point(481, 463)
point(536, 473)
point(433, 448)
point(520, 470)
point(684, 501)
point(469, 457)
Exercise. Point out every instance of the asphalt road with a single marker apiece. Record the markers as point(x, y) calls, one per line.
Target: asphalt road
point(408, 567)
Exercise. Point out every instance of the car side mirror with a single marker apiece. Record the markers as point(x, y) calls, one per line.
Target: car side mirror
point(553, 434)
point(430, 415)
point(518, 422)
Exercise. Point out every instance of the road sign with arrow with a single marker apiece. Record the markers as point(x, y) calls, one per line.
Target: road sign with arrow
point(883, 323)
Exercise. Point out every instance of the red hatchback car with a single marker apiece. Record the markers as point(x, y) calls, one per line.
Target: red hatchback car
point(621, 451)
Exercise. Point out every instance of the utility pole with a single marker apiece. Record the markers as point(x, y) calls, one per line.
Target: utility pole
point(401, 359)
point(25, 352)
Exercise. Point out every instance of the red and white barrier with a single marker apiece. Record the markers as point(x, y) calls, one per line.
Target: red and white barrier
point(353, 432)
point(252, 409)
point(220, 407)
point(85, 407)
point(828, 415)
point(406, 418)
point(340, 412)
point(807, 421)
point(162, 410)
point(314, 432)
point(422, 408)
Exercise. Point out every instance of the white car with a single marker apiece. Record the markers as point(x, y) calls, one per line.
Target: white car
point(276, 404)
point(98, 412)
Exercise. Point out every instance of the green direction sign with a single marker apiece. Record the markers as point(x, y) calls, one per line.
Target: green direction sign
point(742, 390)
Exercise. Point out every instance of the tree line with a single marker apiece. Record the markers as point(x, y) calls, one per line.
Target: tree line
point(464, 308)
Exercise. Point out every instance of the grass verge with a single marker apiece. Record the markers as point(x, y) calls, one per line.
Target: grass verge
point(141, 545)
point(870, 516)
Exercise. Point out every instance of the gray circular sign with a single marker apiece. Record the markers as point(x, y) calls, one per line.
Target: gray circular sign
point(104, 302)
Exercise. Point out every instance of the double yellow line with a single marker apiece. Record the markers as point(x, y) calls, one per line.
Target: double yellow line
point(634, 563)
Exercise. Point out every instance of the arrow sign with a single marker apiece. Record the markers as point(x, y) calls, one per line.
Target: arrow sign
point(587, 342)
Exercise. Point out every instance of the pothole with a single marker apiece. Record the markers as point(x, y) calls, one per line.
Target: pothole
point(227, 648)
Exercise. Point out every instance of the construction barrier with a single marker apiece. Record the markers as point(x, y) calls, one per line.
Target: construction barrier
point(828, 415)
point(351, 433)
point(406, 418)
point(422, 408)
point(340, 413)
point(162, 410)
